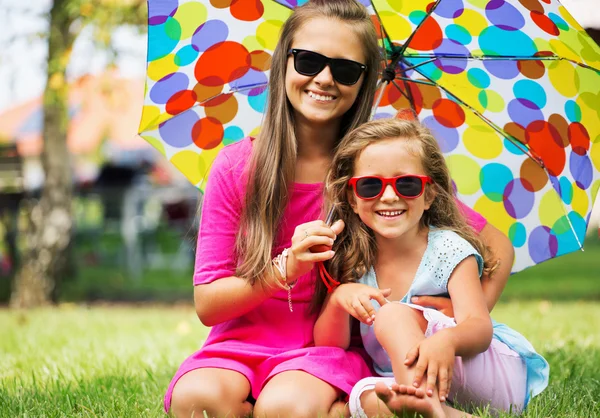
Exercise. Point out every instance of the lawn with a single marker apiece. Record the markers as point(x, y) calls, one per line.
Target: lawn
point(116, 361)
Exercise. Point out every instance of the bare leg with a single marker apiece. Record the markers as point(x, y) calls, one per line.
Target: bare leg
point(395, 316)
point(218, 392)
point(295, 394)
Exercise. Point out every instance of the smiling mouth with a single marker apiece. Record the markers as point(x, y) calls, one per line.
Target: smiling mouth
point(390, 213)
point(319, 97)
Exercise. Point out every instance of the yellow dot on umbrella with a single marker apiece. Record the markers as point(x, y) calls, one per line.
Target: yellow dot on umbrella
point(251, 43)
point(254, 133)
point(495, 101)
point(156, 143)
point(594, 153)
point(542, 44)
point(465, 173)
point(162, 67)
point(567, 46)
point(150, 118)
point(471, 20)
point(483, 142)
point(495, 213)
point(595, 189)
point(551, 208)
point(267, 33)
point(559, 71)
point(190, 16)
point(589, 80)
point(190, 164)
point(569, 19)
point(207, 157)
point(407, 7)
point(397, 26)
point(590, 113)
point(275, 11)
point(580, 202)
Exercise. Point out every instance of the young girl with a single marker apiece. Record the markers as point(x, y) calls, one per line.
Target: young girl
point(260, 217)
point(404, 236)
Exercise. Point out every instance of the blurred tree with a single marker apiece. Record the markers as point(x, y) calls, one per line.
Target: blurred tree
point(48, 232)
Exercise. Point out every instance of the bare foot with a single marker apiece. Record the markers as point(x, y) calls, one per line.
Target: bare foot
point(406, 401)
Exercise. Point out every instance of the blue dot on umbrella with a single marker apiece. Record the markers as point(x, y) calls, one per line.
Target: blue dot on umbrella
point(210, 33)
point(517, 234)
point(232, 134)
point(568, 240)
point(177, 132)
point(186, 56)
point(513, 148)
point(259, 101)
point(494, 178)
point(504, 15)
point(524, 111)
point(163, 39)
point(573, 111)
point(542, 244)
point(566, 190)
point(251, 80)
point(581, 170)
point(532, 91)
point(167, 86)
point(558, 21)
point(495, 41)
point(503, 69)
point(518, 201)
point(478, 78)
point(458, 34)
point(447, 138)
point(449, 9)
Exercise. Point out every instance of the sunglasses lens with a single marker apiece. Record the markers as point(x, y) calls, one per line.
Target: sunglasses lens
point(409, 186)
point(308, 63)
point(368, 188)
point(346, 72)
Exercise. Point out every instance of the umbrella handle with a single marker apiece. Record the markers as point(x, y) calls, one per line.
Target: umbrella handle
point(379, 97)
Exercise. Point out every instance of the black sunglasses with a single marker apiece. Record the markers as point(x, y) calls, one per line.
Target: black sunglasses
point(311, 63)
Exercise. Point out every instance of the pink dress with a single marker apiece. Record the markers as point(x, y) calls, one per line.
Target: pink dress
point(269, 339)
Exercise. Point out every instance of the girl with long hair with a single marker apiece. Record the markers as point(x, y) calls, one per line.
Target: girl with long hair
point(404, 235)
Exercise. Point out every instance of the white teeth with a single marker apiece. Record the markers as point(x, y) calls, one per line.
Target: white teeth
point(391, 213)
point(319, 97)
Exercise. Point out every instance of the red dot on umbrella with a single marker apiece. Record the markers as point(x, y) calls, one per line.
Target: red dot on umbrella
point(248, 10)
point(579, 138)
point(225, 61)
point(448, 113)
point(428, 37)
point(207, 133)
point(545, 23)
point(180, 101)
point(546, 143)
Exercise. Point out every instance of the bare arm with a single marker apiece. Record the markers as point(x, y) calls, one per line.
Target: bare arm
point(333, 328)
point(473, 332)
point(503, 251)
point(231, 297)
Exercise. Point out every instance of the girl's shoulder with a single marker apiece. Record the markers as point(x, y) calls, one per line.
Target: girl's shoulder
point(446, 249)
point(233, 156)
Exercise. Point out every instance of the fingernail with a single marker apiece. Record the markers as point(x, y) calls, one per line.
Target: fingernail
point(414, 298)
point(429, 392)
point(443, 398)
point(331, 242)
point(416, 384)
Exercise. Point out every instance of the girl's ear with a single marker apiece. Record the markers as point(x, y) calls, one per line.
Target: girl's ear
point(430, 195)
point(351, 199)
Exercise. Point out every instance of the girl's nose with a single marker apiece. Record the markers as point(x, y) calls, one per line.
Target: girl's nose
point(324, 77)
point(389, 194)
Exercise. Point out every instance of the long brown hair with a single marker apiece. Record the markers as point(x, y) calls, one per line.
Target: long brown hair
point(355, 247)
point(273, 160)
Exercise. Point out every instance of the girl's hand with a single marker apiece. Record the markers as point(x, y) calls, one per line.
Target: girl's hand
point(355, 298)
point(436, 355)
point(440, 303)
point(300, 259)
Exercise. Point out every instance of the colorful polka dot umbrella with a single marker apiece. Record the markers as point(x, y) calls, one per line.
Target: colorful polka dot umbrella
point(510, 88)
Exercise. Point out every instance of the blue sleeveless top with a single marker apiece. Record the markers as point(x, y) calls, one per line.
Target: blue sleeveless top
point(445, 250)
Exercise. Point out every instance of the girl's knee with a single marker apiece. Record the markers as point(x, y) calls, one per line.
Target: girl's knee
point(393, 315)
point(285, 405)
point(193, 398)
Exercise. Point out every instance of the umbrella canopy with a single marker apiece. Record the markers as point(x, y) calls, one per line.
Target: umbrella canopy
point(103, 107)
point(510, 88)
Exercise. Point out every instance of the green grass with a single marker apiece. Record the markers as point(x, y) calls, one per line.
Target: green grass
point(115, 361)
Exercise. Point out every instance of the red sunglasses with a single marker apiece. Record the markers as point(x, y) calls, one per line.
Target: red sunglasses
point(408, 186)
